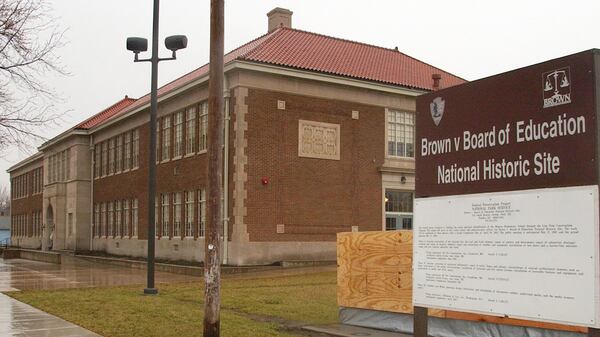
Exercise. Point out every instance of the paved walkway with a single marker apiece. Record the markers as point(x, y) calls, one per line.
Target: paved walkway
point(22, 320)
point(19, 274)
point(18, 319)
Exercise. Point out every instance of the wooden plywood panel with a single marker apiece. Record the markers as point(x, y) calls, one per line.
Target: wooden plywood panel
point(375, 272)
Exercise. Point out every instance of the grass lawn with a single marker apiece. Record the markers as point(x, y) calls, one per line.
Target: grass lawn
point(274, 306)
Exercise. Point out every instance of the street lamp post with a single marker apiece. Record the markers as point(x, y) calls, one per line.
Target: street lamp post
point(137, 45)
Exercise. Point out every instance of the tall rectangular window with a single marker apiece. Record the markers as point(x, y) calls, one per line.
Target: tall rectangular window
point(134, 218)
point(178, 130)
point(127, 151)
point(398, 209)
point(96, 220)
point(401, 134)
point(118, 219)
point(119, 154)
point(177, 214)
point(189, 214)
point(190, 130)
point(165, 215)
point(201, 212)
point(111, 156)
point(68, 164)
point(166, 137)
point(126, 218)
point(97, 155)
point(156, 214)
point(61, 166)
point(110, 219)
point(104, 158)
point(103, 219)
point(158, 140)
point(135, 148)
point(203, 126)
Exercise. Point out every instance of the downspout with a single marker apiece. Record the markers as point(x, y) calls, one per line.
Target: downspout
point(226, 95)
point(92, 150)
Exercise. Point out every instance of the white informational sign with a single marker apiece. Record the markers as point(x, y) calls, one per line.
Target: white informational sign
point(523, 254)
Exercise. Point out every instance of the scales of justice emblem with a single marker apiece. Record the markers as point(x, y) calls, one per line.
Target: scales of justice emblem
point(557, 87)
point(437, 110)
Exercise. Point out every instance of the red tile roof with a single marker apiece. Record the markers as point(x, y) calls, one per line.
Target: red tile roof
point(105, 114)
point(292, 48)
point(309, 51)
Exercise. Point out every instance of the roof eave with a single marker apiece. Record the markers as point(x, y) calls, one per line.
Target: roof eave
point(61, 137)
point(272, 69)
point(330, 78)
point(25, 162)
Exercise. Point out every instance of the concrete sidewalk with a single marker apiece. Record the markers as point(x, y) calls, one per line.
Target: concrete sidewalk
point(22, 320)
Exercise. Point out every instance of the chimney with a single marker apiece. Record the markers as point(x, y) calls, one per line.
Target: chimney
point(436, 81)
point(279, 17)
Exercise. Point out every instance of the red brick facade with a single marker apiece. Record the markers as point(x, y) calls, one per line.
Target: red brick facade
point(313, 198)
point(27, 203)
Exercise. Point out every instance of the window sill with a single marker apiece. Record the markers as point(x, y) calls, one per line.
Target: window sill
point(202, 151)
point(189, 155)
point(398, 164)
point(164, 161)
point(177, 158)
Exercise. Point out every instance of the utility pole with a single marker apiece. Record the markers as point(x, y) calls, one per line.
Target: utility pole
point(214, 225)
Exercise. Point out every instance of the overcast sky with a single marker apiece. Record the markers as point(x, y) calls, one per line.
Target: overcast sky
point(471, 39)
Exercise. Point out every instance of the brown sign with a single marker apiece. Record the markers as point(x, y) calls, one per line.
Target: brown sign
point(533, 127)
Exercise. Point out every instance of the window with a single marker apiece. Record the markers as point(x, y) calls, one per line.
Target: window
point(178, 124)
point(156, 218)
point(119, 154)
point(203, 127)
point(201, 212)
point(70, 224)
point(190, 132)
point(135, 147)
point(36, 181)
point(189, 213)
point(68, 164)
point(103, 219)
point(111, 156)
point(126, 218)
point(110, 219)
point(398, 209)
point(36, 223)
point(104, 158)
point(177, 214)
point(127, 151)
point(158, 140)
point(166, 137)
point(118, 218)
point(61, 166)
point(54, 165)
point(97, 161)
point(165, 215)
point(401, 134)
point(134, 218)
point(97, 220)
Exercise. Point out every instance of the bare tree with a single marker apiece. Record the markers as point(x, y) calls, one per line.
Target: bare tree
point(4, 199)
point(29, 38)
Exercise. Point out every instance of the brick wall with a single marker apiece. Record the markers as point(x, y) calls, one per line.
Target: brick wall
point(32, 202)
point(179, 175)
point(312, 198)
